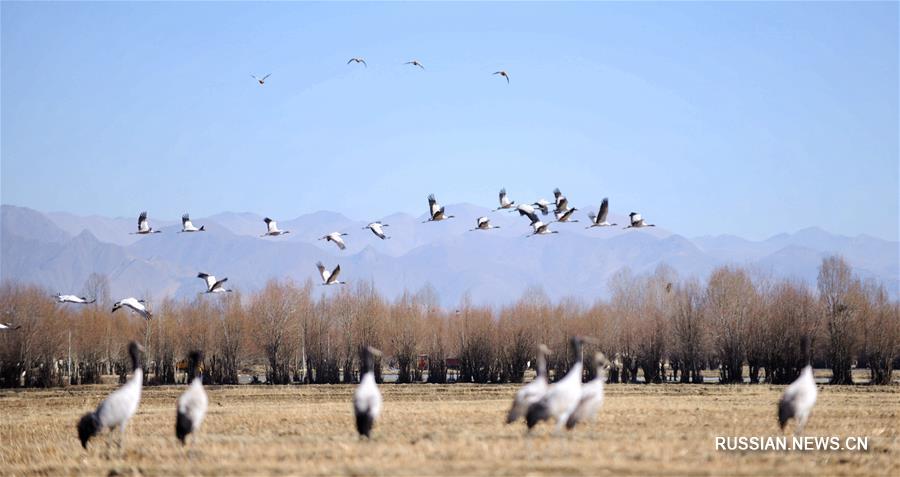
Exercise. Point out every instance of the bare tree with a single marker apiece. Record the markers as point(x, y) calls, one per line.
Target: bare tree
point(730, 297)
point(841, 295)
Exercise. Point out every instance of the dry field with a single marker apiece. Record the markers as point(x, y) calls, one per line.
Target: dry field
point(448, 430)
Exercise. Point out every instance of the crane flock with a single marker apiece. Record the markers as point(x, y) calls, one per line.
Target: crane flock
point(568, 401)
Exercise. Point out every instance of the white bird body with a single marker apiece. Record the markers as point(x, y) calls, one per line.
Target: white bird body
point(73, 299)
point(272, 228)
point(526, 210)
point(565, 216)
point(367, 398)
point(192, 404)
point(7, 326)
point(562, 204)
point(483, 223)
point(540, 228)
point(329, 277)
point(377, 228)
point(599, 220)
point(135, 305)
point(336, 238)
point(562, 397)
point(637, 221)
point(119, 407)
point(591, 394)
point(798, 399)
point(188, 226)
point(213, 285)
point(543, 205)
point(436, 211)
point(533, 391)
point(505, 203)
point(144, 225)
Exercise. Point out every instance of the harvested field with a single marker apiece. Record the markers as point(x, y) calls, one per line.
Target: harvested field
point(448, 430)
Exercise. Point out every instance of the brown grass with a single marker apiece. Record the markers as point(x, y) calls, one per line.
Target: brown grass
point(448, 430)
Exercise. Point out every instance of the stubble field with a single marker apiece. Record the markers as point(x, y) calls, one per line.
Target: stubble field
point(447, 430)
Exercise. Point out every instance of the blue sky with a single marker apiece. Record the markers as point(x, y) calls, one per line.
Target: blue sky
point(709, 118)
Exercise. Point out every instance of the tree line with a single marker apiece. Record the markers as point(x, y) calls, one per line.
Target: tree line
point(657, 326)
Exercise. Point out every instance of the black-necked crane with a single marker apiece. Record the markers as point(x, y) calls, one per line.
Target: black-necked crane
point(504, 74)
point(533, 391)
point(9, 327)
point(505, 203)
point(262, 80)
point(193, 403)
point(213, 285)
point(336, 238)
point(566, 215)
point(599, 220)
point(188, 226)
point(526, 210)
point(540, 228)
point(272, 228)
point(144, 226)
point(329, 277)
point(562, 203)
point(79, 300)
point(591, 394)
point(377, 228)
point(117, 409)
point(367, 397)
point(562, 396)
point(414, 63)
point(436, 211)
point(637, 221)
point(135, 305)
point(543, 205)
point(800, 396)
point(357, 59)
point(483, 223)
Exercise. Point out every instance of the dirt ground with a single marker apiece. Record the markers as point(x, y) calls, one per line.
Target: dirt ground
point(448, 430)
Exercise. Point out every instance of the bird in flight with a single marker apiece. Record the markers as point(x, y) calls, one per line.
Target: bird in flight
point(377, 229)
point(562, 204)
point(505, 203)
point(566, 216)
point(336, 238)
point(540, 228)
point(60, 298)
point(272, 228)
point(543, 205)
point(504, 74)
point(329, 278)
point(483, 223)
point(437, 212)
point(357, 59)
point(414, 63)
point(599, 220)
point(526, 210)
point(262, 80)
point(144, 225)
point(137, 306)
point(637, 221)
point(213, 285)
point(188, 226)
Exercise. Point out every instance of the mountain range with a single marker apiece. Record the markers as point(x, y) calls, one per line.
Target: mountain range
point(60, 250)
